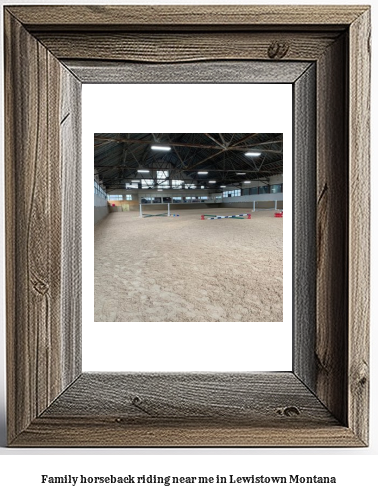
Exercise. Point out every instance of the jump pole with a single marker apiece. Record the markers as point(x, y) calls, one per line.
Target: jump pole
point(238, 216)
point(254, 205)
point(275, 204)
point(169, 209)
point(140, 210)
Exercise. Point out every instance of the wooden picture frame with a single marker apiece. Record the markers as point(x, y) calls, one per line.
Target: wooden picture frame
point(49, 52)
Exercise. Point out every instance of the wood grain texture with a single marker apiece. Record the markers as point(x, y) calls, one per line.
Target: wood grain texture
point(359, 226)
point(332, 230)
point(33, 244)
point(143, 17)
point(70, 160)
point(99, 432)
point(193, 409)
point(33, 227)
point(181, 47)
point(202, 72)
point(304, 228)
point(243, 397)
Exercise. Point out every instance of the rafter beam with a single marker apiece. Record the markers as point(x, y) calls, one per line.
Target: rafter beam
point(214, 140)
point(220, 148)
point(209, 170)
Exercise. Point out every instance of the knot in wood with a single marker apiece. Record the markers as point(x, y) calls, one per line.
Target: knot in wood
point(136, 400)
point(140, 404)
point(278, 50)
point(289, 411)
point(41, 287)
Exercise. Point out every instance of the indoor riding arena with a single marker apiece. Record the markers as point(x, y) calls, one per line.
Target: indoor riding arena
point(188, 227)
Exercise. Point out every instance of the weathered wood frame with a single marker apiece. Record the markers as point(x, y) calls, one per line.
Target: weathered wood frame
point(49, 52)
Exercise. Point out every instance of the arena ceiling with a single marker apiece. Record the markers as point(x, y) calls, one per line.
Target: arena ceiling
point(118, 157)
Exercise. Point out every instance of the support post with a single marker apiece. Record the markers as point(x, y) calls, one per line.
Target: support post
point(275, 204)
point(140, 210)
point(254, 205)
point(169, 209)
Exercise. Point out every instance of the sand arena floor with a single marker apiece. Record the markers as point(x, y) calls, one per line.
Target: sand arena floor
point(183, 269)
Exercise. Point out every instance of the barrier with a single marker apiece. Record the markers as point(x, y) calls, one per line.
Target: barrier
point(160, 215)
point(155, 215)
point(279, 214)
point(165, 214)
point(238, 216)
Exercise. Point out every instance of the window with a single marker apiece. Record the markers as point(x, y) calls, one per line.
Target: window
point(176, 184)
point(263, 189)
point(146, 183)
point(129, 197)
point(98, 190)
point(190, 186)
point(162, 178)
point(176, 199)
point(254, 190)
point(229, 194)
point(114, 197)
point(276, 188)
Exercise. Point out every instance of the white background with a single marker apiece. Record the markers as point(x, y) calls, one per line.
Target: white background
point(185, 346)
point(355, 468)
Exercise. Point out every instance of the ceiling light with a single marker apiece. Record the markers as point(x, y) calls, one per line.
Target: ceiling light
point(250, 153)
point(222, 186)
point(247, 182)
point(161, 148)
point(136, 181)
point(203, 173)
point(240, 173)
point(212, 182)
point(143, 171)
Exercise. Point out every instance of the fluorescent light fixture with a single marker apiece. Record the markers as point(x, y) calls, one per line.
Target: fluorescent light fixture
point(136, 181)
point(202, 173)
point(240, 173)
point(212, 182)
point(161, 148)
point(143, 171)
point(247, 182)
point(223, 186)
point(251, 153)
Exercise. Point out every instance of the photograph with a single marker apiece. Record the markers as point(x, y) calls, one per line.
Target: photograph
point(188, 227)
